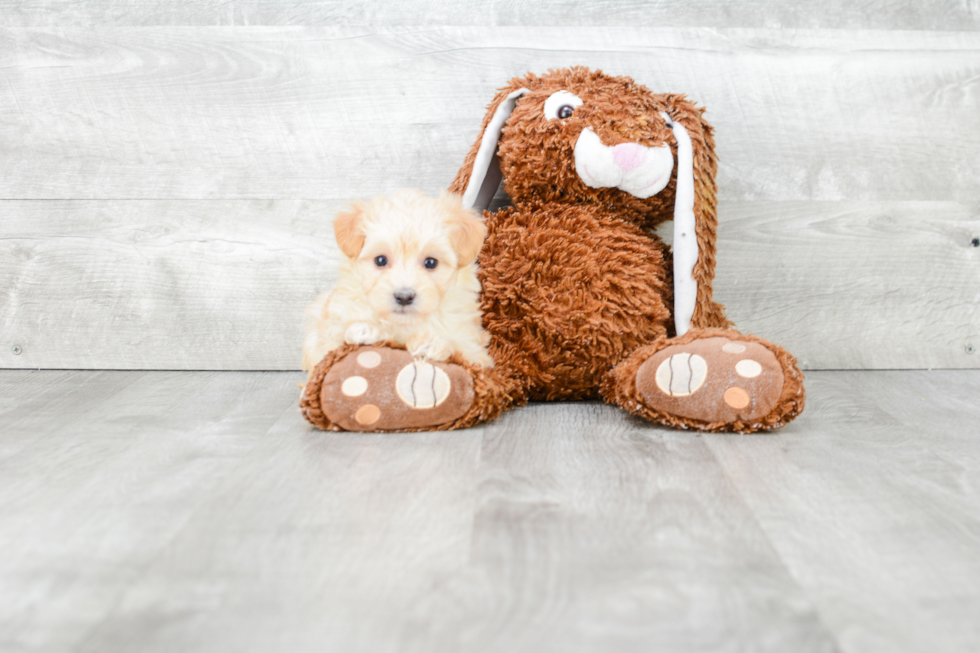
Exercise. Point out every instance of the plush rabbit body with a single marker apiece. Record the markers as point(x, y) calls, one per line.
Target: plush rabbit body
point(580, 298)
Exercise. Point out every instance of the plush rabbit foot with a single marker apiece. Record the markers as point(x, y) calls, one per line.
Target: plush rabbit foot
point(384, 388)
point(711, 380)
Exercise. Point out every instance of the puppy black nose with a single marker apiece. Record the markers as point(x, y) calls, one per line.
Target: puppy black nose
point(405, 296)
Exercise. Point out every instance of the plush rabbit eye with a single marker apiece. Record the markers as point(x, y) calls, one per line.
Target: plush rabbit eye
point(561, 105)
point(381, 261)
point(430, 263)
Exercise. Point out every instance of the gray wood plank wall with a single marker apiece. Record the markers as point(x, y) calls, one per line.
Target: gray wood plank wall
point(168, 182)
point(954, 15)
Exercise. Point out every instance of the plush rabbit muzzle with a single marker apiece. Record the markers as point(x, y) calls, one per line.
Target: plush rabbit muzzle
point(636, 169)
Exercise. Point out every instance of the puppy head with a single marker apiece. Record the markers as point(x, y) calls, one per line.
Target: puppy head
point(406, 249)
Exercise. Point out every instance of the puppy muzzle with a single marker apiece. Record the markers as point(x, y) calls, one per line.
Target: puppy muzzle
point(404, 297)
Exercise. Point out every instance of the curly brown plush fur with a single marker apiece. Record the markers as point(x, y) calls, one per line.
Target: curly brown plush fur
point(577, 290)
point(570, 291)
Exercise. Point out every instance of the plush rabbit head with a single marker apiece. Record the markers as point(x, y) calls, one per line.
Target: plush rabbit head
point(577, 135)
point(581, 135)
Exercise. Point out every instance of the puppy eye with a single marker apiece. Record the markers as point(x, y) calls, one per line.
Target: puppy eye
point(561, 105)
point(430, 263)
point(381, 261)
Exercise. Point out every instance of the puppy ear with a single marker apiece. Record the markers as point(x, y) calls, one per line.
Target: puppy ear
point(478, 179)
point(466, 228)
point(349, 231)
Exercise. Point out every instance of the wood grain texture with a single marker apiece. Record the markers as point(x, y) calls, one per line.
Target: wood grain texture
point(270, 112)
point(320, 542)
point(24, 393)
point(165, 511)
point(848, 180)
point(855, 285)
point(162, 285)
point(876, 14)
point(885, 543)
point(98, 482)
point(222, 284)
point(595, 531)
point(209, 530)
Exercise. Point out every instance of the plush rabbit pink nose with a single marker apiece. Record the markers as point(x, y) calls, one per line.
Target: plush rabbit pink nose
point(629, 156)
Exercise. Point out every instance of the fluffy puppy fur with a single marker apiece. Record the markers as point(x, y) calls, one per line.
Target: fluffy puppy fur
point(408, 276)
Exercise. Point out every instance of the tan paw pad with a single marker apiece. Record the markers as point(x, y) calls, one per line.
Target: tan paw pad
point(381, 389)
point(714, 380)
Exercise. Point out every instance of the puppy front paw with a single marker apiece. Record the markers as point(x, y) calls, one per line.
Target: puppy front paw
point(362, 333)
point(481, 358)
point(431, 347)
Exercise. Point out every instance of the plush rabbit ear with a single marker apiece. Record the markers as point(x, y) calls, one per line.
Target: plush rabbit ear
point(685, 246)
point(484, 176)
point(695, 212)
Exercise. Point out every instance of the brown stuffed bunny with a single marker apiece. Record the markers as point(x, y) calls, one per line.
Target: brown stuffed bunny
point(580, 298)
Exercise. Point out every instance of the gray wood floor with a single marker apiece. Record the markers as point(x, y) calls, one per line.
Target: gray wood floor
point(196, 511)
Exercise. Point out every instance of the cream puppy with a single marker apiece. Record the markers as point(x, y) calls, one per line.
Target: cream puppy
point(408, 276)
